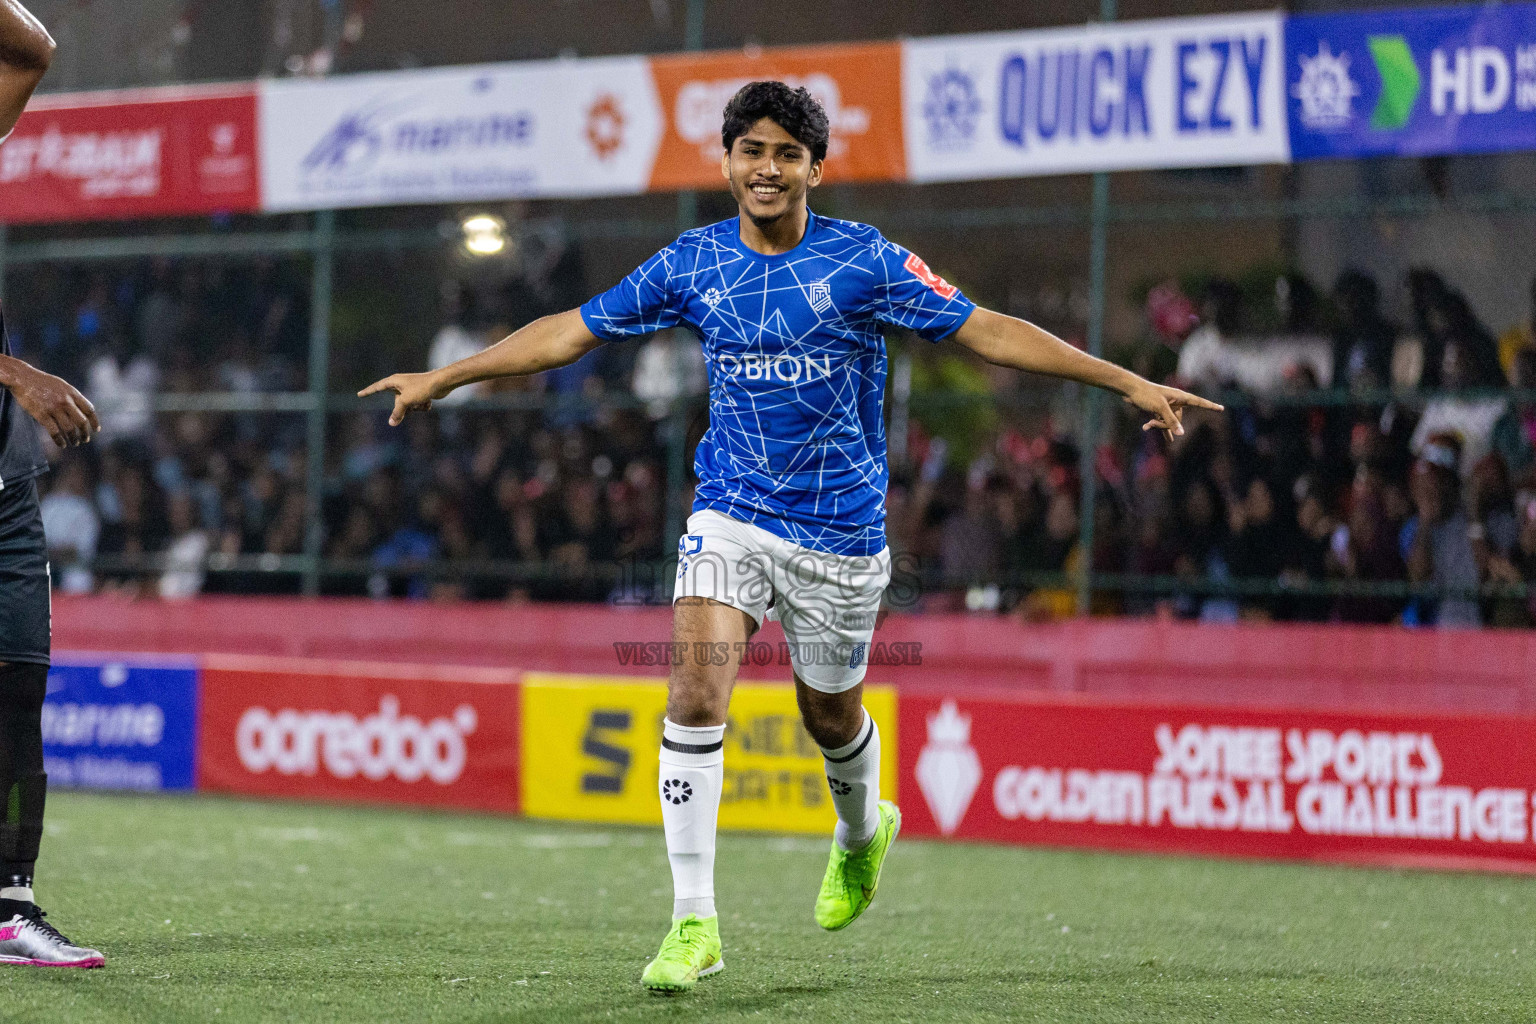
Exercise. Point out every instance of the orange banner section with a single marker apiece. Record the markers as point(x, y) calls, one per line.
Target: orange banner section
point(858, 83)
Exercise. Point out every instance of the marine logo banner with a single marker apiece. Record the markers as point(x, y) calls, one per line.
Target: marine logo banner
point(493, 131)
point(121, 723)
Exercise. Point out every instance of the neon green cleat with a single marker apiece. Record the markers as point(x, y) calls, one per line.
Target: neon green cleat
point(852, 878)
point(690, 951)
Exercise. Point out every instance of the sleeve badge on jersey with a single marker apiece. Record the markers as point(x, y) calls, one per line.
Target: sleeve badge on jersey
point(918, 269)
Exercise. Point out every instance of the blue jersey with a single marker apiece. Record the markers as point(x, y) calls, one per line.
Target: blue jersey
point(796, 441)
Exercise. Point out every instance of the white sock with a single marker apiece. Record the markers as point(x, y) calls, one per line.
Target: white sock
point(853, 774)
point(692, 770)
point(17, 892)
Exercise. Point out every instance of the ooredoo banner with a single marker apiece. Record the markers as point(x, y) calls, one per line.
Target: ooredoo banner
point(590, 746)
point(1441, 789)
point(494, 131)
point(149, 153)
point(859, 84)
point(1186, 92)
point(357, 732)
point(1412, 82)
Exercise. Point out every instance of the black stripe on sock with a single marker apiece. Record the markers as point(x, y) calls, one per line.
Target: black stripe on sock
point(691, 748)
point(869, 734)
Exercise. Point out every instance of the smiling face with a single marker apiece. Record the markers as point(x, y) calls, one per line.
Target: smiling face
point(770, 172)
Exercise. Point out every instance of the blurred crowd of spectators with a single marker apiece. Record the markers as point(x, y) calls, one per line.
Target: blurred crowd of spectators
point(523, 503)
point(1319, 474)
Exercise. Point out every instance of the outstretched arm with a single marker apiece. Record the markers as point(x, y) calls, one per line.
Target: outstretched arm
point(1008, 341)
point(26, 50)
point(546, 343)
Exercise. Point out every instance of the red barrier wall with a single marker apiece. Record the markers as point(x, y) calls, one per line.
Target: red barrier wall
point(1314, 667)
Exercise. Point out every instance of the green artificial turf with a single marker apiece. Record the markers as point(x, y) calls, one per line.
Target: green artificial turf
point(227, 911)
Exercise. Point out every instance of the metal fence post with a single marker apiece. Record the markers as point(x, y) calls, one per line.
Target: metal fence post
point(1098, 243)
point(693, 39)
point(1092, 399)
point(322, 254)
point(901, 408)
point(676, 424)
point(675, 427)
point(693, 28)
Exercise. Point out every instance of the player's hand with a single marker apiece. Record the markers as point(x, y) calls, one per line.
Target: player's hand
point(67, 415)
point(1166, 406)
point(413, 391)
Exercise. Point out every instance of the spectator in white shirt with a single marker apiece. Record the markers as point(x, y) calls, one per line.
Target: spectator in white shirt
point(1214, 356)
point(122, 387)
point(455, 341)
point(1470, 420)
point(188, 551)
point(670, 365)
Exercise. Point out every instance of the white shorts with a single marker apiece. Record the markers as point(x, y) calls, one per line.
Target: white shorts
point(826, 603)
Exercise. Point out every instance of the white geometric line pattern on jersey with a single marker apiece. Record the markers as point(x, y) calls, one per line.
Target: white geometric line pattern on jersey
point(797, 366)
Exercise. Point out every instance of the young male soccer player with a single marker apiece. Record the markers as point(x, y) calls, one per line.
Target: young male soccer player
point(789, 513)
point(27, 394)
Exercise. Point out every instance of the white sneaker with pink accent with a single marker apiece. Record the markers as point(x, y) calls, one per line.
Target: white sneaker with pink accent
point(27, 939)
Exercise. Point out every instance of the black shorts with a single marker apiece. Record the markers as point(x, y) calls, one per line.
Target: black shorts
point(26, 613)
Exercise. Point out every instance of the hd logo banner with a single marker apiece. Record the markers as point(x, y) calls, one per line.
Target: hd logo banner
point(1187, 92)
point(590, 753)
point(1414, 82)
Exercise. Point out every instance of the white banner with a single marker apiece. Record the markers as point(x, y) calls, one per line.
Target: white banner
point(1187, 92)
point(546, 128)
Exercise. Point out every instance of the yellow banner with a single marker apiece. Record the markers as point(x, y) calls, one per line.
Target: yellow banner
point(590, 745)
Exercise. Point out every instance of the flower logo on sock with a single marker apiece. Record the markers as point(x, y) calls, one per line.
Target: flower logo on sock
point(838, 786)
point(676, 791)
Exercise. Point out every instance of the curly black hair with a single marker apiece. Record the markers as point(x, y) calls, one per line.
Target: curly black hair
point(795, 110)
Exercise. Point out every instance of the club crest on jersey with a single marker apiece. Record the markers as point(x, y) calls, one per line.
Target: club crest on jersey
point(918, 269)
point(820, 294)
point(712, 298)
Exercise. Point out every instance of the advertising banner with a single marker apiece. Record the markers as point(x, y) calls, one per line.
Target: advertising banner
point(1441, 789)
point(590, 748)
point(1412, 82)
point(1188, 92)
point(148, 153)
point(493, 131)
point(1218, 90)
point(110, 723)
point(367, 733)
point(859, 84)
